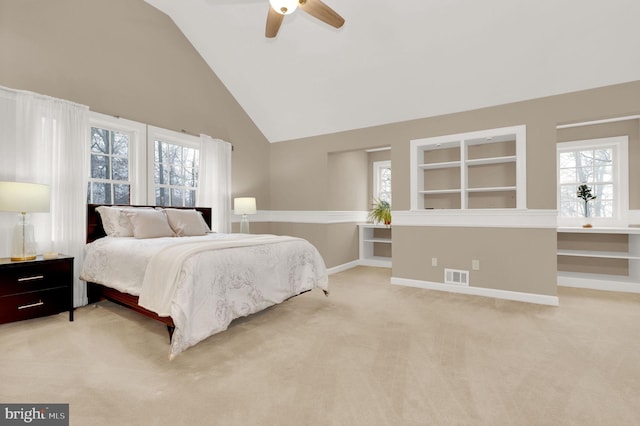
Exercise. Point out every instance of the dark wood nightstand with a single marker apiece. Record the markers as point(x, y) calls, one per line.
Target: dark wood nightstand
point(35, 288)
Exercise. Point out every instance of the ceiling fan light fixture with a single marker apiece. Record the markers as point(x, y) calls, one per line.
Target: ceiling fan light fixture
point(284, 7)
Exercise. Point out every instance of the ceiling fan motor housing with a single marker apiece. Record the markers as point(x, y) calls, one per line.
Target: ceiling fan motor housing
point(284, 7)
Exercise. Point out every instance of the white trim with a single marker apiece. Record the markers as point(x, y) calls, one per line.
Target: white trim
point(292, 216)
point(461, 141)
point(343, 267)
point(540, 299)
point(606, 120)
point(384, 148)
point(633, 217)
point(169, 136)
point(137, 150)
point(500, 218)
point(599, 230)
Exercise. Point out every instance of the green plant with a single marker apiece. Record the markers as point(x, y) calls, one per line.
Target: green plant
point(584, 193)
point(381, 212)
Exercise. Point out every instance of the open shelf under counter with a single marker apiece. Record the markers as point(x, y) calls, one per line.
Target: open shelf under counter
point(602, 246)
point(375, 245)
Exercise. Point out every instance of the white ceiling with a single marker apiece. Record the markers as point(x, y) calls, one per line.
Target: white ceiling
point(399, 60)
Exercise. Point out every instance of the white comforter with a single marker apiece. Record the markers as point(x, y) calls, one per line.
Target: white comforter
point(204, 291)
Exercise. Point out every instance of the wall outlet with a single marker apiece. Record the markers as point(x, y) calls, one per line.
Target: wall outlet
point(475, 265)
point(434, 261)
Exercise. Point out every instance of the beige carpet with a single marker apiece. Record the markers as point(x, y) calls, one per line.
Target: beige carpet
point(370, 354)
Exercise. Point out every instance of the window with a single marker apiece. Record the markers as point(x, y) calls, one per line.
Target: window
point(602, 165)
point(175, 167)
point(109, 180)
point(382, 180)
point(113, 178)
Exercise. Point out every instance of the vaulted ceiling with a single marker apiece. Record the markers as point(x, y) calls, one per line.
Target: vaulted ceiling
point(396, 60)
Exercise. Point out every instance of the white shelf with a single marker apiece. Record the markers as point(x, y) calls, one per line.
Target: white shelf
point(378, 261)
point(491, 160)
point(505, 145)
point(440, 191)
point(378, 240)
point(619, 283)
point(492, 189)
point(433, 166)
point(600, 230)
point(599, 254)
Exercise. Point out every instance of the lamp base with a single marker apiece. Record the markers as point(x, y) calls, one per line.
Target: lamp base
point(244, 225)
point(23, 246)
point(17, 259)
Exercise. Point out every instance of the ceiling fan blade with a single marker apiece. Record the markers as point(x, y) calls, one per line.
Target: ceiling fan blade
point(321, 11)
point(274, 20)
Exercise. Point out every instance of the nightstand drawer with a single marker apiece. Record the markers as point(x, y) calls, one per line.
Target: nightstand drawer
point(22, 278)
point(33, 304)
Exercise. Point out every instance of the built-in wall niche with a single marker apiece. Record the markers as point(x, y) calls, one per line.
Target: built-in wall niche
point(476, 170)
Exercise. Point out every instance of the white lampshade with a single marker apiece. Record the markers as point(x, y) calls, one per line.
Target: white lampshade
point(24, 197)
point(244, 205)
point(284, 7)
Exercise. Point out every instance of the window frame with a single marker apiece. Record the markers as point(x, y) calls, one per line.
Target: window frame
point(172, 137)
point(137, 133)
point(620, 172)
point(378, 166)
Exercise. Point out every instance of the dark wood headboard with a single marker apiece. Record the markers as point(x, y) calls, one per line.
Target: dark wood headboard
point(94, 223)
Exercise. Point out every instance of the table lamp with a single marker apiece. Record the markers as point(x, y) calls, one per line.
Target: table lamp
point(24, 198)
point(244, 206)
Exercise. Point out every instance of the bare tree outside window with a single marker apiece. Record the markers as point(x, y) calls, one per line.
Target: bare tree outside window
point(382, 181)
point(109, 173)
point(175, 174)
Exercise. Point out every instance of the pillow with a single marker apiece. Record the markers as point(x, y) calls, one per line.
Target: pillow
point(187, 223)
point(115, 222)
point(150, 224)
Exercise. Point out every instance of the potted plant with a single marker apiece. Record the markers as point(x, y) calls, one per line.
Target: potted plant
point(584, 193)
point(381, 212)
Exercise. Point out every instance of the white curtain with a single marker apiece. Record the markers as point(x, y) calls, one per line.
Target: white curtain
point(46, 142)
point(214, 182)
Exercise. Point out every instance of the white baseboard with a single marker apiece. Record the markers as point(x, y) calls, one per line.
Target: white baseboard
point(540, 299)
point(342, 267)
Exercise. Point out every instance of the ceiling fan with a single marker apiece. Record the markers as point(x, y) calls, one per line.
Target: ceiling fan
point(315, 8)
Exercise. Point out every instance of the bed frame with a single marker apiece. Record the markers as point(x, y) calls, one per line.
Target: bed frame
point(97, 292)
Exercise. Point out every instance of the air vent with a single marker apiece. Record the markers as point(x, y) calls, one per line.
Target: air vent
point(457, 277)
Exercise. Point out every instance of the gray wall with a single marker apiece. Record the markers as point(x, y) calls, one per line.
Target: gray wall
point(125, 58)
point(523, 246)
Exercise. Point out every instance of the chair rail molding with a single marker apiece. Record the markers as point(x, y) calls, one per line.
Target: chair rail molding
point(305, 216)
point(500, 218)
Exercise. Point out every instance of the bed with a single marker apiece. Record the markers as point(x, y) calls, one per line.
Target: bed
point(195, 282)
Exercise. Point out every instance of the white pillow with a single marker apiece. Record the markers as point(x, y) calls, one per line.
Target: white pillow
point(150, 224)
point(186, 223)
point(115, 222)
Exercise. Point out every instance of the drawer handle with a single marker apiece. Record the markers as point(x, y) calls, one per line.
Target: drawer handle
point(33, 305)
point(35, 277)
